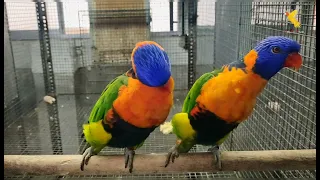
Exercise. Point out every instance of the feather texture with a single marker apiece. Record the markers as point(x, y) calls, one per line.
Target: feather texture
point(151, 64)
point(220, 100)
point(145, 106)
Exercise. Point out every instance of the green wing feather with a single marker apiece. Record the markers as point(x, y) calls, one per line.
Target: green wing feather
point(105, 101)
point(190, 100)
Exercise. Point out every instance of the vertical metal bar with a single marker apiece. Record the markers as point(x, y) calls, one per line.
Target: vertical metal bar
point(82, 46)
point(239, 30)
point(16, 102)
point(277, 24)
point(256, 20)
point(60, 14)
point(182, 19)
point(238, 54)
point(192, 41)
point(48, 74)
point(13, 63)
point(215, 33)
point(171, 15)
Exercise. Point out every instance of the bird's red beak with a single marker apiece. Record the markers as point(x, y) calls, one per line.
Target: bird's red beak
point(294, 61)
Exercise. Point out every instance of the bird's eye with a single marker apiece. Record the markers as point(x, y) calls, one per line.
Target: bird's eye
point(276, 50)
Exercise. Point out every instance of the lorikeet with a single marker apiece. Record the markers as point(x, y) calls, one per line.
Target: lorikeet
point(132, 105)
point(219, 100)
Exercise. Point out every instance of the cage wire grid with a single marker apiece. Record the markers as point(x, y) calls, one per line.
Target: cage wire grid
point(90, 44)
point(285, 114)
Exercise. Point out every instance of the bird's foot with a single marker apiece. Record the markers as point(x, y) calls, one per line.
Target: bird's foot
point(128, 158)
point(172, 154)
point(216, 152)
point(86, 157)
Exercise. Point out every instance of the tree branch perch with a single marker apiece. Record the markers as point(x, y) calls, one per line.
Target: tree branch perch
point(154, 163)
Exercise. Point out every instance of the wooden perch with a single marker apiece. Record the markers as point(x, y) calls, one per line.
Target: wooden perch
point(154, 163)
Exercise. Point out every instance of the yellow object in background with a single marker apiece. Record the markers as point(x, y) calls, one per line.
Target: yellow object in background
point(292, 19)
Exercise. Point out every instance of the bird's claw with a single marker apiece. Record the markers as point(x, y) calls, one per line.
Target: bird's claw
point(128, 158)
point(172, 154)
point(216, 152)
point(86, 157)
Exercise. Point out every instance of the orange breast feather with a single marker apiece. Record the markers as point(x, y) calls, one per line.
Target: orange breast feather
point(232, 94)
point(144, 106)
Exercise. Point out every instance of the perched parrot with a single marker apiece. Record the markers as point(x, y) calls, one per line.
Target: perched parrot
point(132, 105)
point(220, 100)
point(292, 19)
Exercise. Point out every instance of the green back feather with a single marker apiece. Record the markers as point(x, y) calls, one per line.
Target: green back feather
point(105, 101)
point(190, 100)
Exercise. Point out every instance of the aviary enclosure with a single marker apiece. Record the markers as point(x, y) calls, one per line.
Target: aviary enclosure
point(70, 50)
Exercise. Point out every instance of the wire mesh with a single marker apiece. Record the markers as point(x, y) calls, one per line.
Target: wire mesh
point(21, 73)
point(87, 52)
point(285, 114)
point(91, 44)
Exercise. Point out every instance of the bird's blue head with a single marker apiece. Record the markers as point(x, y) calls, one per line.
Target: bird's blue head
point(275, 53)
point(151, 64)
